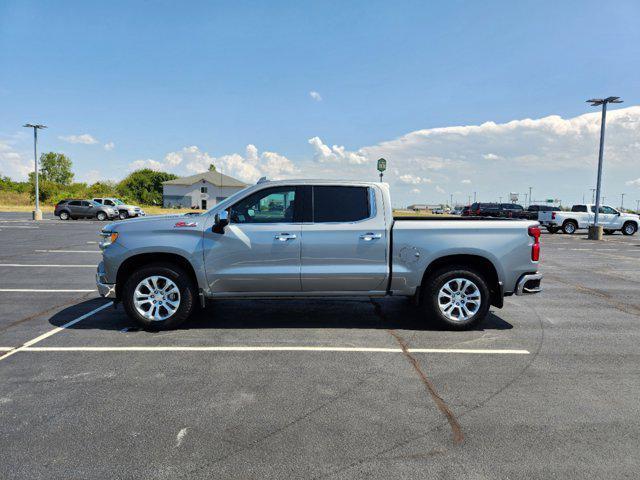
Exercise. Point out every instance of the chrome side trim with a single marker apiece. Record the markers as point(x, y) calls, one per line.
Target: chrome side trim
point(522, 289)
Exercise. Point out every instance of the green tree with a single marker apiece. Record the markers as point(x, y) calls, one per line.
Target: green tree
point(56, 168)
point(212, 167)
point(144, 186)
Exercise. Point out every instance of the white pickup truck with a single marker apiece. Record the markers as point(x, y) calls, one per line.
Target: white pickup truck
point(581, 216)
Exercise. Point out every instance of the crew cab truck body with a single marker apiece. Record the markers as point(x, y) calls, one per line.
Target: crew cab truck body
point(316, 239)
point(581, 216)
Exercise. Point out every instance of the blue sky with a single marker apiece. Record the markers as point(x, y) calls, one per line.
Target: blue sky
point(183, 83)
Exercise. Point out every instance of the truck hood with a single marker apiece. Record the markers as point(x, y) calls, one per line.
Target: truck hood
point(630, 215)
point(155, 221)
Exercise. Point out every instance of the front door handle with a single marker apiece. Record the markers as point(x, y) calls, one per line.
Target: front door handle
point(367, 237)
point(283, 237)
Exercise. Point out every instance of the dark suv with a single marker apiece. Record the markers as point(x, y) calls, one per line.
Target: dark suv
point(74, 209)
point(500, 210)
point(531, 213)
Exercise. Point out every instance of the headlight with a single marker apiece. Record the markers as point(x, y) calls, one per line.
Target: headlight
point(107, 239)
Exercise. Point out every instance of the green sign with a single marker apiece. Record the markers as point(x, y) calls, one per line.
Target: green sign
point(382, 165)
point(550, 200)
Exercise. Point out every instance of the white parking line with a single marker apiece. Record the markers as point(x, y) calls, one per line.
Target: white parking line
point(277, 349)
point(38, 290)
point(5, 349)
point(45, 265)
point(54, 331)
point(68, 251)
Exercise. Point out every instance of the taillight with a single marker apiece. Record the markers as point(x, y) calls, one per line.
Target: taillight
point(553, 215)
point(535, 248)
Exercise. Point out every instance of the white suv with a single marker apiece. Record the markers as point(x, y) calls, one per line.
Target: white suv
point(124, 210)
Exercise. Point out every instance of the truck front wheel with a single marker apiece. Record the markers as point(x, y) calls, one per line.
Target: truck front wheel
point(159, 297)
point(569, 227)
point(456, 297)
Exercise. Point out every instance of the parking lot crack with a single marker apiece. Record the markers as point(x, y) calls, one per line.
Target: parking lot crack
point(456, 429)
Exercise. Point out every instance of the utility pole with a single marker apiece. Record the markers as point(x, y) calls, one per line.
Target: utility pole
point(474, 197)
point(37, 213)
point(469, 202)
point(530, 197)
point(621, 201)
point(637, 206)
point(451, 202)
point(596, 232)
point(593, 195)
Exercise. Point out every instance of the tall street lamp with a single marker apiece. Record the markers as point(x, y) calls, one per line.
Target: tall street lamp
point(595, 231)
point(37, 213)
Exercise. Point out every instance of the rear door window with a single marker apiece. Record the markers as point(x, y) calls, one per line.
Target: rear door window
point(75, 203)
point(580, 208)
point(340, 204)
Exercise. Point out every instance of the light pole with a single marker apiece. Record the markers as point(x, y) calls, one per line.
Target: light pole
point(637, 206)
point(530, 198)
point(37, 213)
point(593, 195)
point(621, 201)
point(595, 233)
point(451, 202)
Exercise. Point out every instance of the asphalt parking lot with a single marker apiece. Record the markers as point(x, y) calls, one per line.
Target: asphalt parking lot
point(546, 387)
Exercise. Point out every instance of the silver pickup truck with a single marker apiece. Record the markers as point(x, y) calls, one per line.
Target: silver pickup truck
point(308, 238)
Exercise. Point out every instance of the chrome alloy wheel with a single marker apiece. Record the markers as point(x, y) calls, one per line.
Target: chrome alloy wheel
point(459, 299)
point(156, 298)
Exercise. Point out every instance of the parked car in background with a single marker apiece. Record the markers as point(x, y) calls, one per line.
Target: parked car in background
point(74, 209)
point(124, 210)
point(457, 211)
point(324, 239)
point(497, 210)
point(532, 211)
point(581, 216)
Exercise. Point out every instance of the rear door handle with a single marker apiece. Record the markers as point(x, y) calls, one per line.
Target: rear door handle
point(367, 237)
point(283, 237)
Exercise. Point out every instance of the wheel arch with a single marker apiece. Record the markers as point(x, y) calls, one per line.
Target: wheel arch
point(482, 265)
point(142, 259)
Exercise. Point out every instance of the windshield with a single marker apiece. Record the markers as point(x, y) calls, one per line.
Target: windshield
point(118, 202)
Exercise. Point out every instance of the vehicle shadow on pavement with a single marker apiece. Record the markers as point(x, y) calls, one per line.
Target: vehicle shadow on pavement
point(347, 313)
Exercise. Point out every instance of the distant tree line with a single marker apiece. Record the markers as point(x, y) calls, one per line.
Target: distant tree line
point(56, 183)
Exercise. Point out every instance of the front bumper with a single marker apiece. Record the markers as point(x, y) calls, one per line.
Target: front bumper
point(107, 290)
point(529, 283)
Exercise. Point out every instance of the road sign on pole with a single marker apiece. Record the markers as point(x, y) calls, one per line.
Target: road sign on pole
point(382, 166)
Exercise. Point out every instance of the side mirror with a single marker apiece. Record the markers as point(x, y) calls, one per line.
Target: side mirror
point(221, 221)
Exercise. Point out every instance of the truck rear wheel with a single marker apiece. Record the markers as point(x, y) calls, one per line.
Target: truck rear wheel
point(159, 297)
point(629, 228)
point(569, 227)
point(456, 297)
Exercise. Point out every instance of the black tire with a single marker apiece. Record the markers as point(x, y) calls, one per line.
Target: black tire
point(629, 228)
point(185, 285)
point(569, 227)
point(552, 229)
point(608, 231)
point(431, 300)
point(64, 215)
point(123, 215)
point(101, 216)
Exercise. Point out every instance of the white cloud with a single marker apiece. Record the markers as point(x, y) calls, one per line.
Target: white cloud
point(84, 138)
point(335, 154)
point(409, 179)
point(248, 167)
point(634, 183)
point(414, 191)
point(109, 146)
point(491, 156)
point(13, 163)
point(315, 95)
point(466, 181)
point(439, 189)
